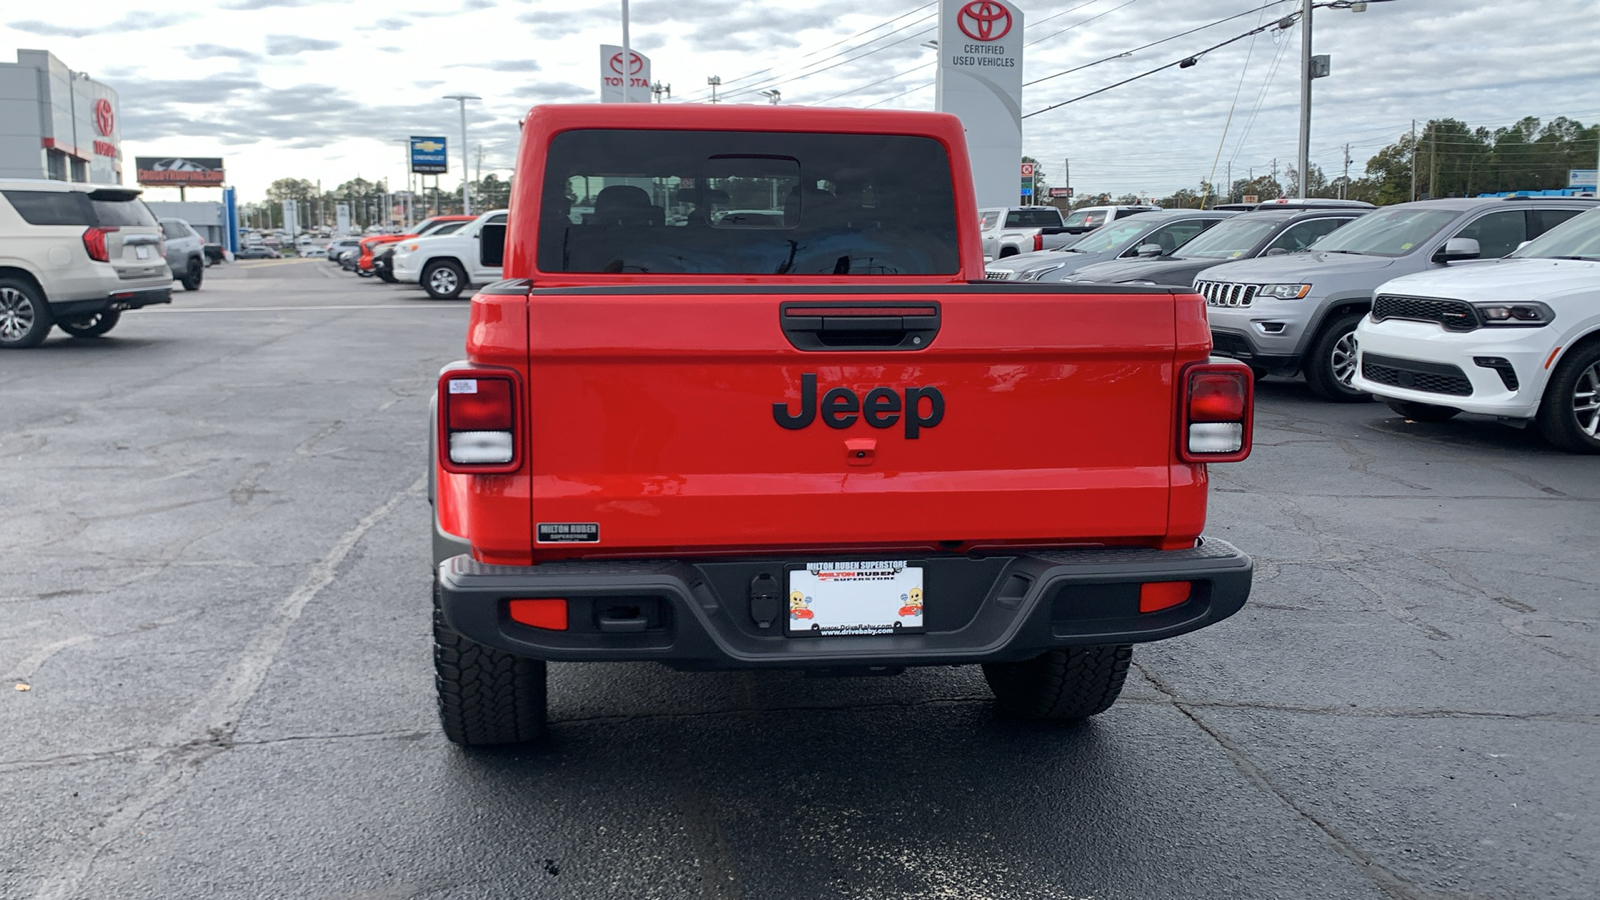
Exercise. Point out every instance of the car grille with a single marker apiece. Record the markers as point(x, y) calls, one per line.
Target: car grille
point(999, 274)
point(1434, 378)
point(1454, 315)
point(1226, 343)
point(1226, 293)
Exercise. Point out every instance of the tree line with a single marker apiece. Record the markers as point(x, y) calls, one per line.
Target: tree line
point(367, 200)
point(1447, 157)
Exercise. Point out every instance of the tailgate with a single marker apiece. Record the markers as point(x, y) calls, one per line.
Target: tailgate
point(653, 415)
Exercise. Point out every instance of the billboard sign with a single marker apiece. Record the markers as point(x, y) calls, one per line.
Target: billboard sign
point(980, 81)
point(619, 86)
point(428, 156)
point(205, 171)
point(1058, 193)
point(1583, 179)
point(341, 218)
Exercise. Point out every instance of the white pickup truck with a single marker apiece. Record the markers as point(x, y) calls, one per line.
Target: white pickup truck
point(447, 264)
point(1027, 229)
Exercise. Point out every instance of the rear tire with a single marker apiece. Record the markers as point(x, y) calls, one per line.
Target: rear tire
point(1569, 412)
point(1330, 362)
point(92, 325)
point(1422, 412)
point(1061, 685)
point(444, 279)
point(193, 275)
point(1007, 251)
point(486, 697)
point(25, 318)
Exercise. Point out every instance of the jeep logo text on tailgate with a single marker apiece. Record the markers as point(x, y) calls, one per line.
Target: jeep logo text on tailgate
point(881, 408)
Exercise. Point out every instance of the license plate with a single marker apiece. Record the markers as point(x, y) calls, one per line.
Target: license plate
point(141, 252)
point(855, 598)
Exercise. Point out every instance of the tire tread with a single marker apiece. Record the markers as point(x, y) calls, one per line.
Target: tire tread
point(1061, 685)
point(486, 696)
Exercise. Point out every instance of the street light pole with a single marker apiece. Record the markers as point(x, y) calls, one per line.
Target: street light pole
point(466, 201)
point(627, 58)
point(1305, 95)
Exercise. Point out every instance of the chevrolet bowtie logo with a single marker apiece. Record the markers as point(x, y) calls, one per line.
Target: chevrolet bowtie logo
point(429, 146)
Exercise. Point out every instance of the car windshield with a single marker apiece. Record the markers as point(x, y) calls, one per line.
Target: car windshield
point(1576, 238)
point(446, 228)
point(1231, 239)
point(1388, 232)
point(1110, 237)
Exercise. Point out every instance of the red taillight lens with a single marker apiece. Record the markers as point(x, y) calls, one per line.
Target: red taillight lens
point(1038, 242)
point(1215, 410)
point(1155, 596)
point(94, 241)
point(1217, 396)
point(479, 404)
point(477, 422)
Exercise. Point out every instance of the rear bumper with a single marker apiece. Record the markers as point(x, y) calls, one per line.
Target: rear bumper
point(699, 614)
point(116, 300)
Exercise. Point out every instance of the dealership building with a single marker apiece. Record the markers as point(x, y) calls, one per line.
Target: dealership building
point(56, 123)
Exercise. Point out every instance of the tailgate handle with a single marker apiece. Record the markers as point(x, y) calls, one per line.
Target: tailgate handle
point(860, 326)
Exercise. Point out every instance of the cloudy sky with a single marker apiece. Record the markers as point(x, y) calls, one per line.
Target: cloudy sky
point(326, 89)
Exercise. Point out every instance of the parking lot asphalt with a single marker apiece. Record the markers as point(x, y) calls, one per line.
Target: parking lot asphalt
point(214, 640)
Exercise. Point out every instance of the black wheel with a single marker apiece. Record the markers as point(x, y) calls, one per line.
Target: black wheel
point(486, 697)
point(1061, 685)
point(1423, 412)
point(1330, 363)
point(24, 316)
point(92, 325)
point(387, 275)
point(1007, 251)
point(193, 275)
point(1569, 413)
point(443, 279)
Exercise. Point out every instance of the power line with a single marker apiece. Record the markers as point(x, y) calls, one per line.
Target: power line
point(793, 77)
point(1079, 24)
point(1151, 44)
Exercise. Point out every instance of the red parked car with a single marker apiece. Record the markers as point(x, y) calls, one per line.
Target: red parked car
point(364, 261)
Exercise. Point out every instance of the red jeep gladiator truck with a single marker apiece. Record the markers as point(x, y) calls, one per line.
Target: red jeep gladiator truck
point(745, 400)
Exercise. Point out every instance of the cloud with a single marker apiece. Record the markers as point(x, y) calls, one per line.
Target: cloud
point(426, 84)
point(291, 45)
point(390, 24)
point(552, 25)
point(503, 65)
point(472, 5)
point(548, 91)
point(218, 51)
point(130, 22)
point(268, 4)
point(390, 49)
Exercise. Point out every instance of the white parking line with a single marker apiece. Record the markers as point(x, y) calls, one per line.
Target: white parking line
point(232, 309)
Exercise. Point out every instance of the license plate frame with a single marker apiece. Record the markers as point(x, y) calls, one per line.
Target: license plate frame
point(142, 251)
point(854, 598)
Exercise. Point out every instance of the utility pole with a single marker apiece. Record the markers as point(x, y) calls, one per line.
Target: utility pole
point(1230, 181)
point(1413, 160)
point(466, 203)
point(1433, 161)
point(1345, 184)
point(1275, 170)
point(479, 179)
point(1305, 94)
point(627, 58)
point(715, 81)
point(1066, 179)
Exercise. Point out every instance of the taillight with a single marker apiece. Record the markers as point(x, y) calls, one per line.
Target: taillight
point(1038, 242)
point(478, 422)
point(94, 241)
point(1217, 407)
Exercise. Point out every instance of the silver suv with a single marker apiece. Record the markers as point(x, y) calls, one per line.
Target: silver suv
point(75, 256)
point(186, 252)
point(1298, 313)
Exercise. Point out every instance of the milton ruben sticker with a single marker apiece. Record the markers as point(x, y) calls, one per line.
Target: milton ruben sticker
point(569, 532)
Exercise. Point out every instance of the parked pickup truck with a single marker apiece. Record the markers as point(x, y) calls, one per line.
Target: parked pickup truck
point(812, 436)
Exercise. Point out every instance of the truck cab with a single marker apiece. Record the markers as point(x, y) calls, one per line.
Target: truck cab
point(744, 400)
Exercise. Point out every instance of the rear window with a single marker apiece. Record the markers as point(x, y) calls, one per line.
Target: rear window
point(747, 203)
point(990, 220)
point(49, 207)
point(121, 212)
point(1043, 217)
point(1086, 219)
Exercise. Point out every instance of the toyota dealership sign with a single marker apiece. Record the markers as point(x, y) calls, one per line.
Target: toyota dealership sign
point(620, 83)
point(980, 81)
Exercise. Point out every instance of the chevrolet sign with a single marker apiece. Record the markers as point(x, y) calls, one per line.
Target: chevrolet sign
point(428, 156)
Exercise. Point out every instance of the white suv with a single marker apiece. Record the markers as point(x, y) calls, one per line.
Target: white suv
point(76, 256)
point(446, 264)
point(1518, 338)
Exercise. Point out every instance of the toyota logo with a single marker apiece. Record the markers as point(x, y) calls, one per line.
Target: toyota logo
point(637, 63)
point(990, 21)
point(104, 119)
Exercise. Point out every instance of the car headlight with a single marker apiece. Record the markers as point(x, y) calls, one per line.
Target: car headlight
point(1524, 315)
point(1036, 274)
point(1285, 291)
point(406, 248)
